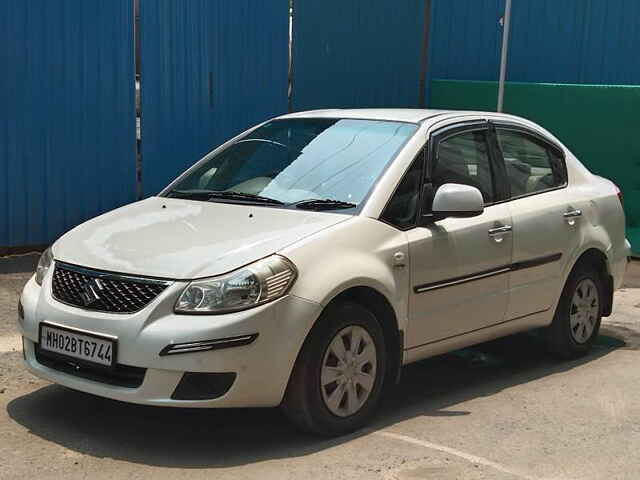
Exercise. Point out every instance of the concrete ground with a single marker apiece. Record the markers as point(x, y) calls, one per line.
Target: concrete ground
point(502, 410)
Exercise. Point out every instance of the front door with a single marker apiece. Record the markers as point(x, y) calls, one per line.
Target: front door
point(459, 266)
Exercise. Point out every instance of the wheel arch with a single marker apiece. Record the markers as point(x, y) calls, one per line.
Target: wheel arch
point(597, 259)
point(376, 302)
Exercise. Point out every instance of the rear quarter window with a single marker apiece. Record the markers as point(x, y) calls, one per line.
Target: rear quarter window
point(531, 165)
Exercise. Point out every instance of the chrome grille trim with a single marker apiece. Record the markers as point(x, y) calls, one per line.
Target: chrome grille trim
point(101, 274)
point(117, 293)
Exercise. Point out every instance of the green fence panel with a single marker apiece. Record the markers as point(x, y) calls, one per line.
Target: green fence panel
point(598, 123)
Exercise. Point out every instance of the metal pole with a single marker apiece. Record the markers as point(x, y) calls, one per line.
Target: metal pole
point(290, 67)
point(503, 57)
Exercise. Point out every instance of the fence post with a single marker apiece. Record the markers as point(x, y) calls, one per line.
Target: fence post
point(503, 57)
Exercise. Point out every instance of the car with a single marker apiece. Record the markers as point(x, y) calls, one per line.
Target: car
point(302, 263)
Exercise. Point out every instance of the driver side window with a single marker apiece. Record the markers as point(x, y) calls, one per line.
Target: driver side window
point(464, 158)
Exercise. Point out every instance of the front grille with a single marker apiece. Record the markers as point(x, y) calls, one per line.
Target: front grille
point(120, 375)
point(102, 291)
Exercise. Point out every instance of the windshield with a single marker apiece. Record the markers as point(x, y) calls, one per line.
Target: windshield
point(297, 160)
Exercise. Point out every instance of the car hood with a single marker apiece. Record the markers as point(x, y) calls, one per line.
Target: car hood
point(185, 239)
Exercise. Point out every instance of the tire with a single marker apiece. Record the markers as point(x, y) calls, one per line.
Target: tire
point(575, 326)
point(338, 407)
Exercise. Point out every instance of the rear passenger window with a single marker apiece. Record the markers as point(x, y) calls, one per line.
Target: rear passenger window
point(464, 159)
point(529, 164)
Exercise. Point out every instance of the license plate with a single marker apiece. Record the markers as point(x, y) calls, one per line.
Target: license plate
point(78, 344)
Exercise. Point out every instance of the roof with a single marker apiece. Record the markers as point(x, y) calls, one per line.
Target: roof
point(413, 115)
point(417, 115)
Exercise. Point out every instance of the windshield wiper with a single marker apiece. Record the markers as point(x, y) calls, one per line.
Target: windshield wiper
point(251, 197)
point(190, 194)
point(224, 195)
point(326, 204)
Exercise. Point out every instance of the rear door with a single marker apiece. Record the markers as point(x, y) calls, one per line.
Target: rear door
point(545, 220)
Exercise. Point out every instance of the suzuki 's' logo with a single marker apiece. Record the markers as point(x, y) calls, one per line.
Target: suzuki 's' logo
point(91, 291)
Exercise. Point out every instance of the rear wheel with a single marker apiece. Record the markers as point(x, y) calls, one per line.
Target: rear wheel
point(577, 319)
point(336, 382)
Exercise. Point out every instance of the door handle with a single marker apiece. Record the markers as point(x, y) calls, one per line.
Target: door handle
point(572, 215)
point(499, 230)
point(497, 233)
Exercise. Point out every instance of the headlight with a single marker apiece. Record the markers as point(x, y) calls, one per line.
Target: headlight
point(43, 265)
point(255, 284)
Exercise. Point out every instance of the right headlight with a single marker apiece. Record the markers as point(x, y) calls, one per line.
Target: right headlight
point(46, 259)
point(255, 284)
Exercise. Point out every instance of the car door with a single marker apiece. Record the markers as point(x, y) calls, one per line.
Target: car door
point(459, 266)
point(545, 219)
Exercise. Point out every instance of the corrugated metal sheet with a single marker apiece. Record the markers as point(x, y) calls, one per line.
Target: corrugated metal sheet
point(67, 128)
point(464, 39)
point(576, 41)
point(555, 41)
point(355, 53)
point(209, 70)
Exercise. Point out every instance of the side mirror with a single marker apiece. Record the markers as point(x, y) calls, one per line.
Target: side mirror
point(456, 200)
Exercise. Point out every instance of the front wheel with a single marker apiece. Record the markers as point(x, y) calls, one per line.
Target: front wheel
point(577, 319)
point(337, 380)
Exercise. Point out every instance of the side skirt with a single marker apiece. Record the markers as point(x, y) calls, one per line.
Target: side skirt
point(485, 334)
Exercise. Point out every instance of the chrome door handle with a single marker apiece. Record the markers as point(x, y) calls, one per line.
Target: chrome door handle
point(497, 233)
point(572, 215)
point(499, 230)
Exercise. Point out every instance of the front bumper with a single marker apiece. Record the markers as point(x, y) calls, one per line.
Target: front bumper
point(262, 367)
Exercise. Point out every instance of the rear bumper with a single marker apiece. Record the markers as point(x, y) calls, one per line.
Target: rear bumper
point(260, 368)
point(619, 263)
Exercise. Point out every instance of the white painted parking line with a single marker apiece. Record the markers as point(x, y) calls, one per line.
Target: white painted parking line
point(452, 451)
point(10, 343)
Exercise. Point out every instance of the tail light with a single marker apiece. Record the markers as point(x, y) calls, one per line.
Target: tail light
point(619, 193)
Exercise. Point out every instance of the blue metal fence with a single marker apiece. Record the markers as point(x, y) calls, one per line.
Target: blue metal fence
point(554, 41)
point(212, 68)
point(209, 70)
point(464, 39)
point(353, 53)
point(67, 127)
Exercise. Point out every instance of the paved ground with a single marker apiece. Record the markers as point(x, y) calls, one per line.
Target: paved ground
point(503, 410)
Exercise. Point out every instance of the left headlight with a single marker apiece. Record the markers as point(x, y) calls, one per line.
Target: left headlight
point(46, 259)
point(255, 284)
